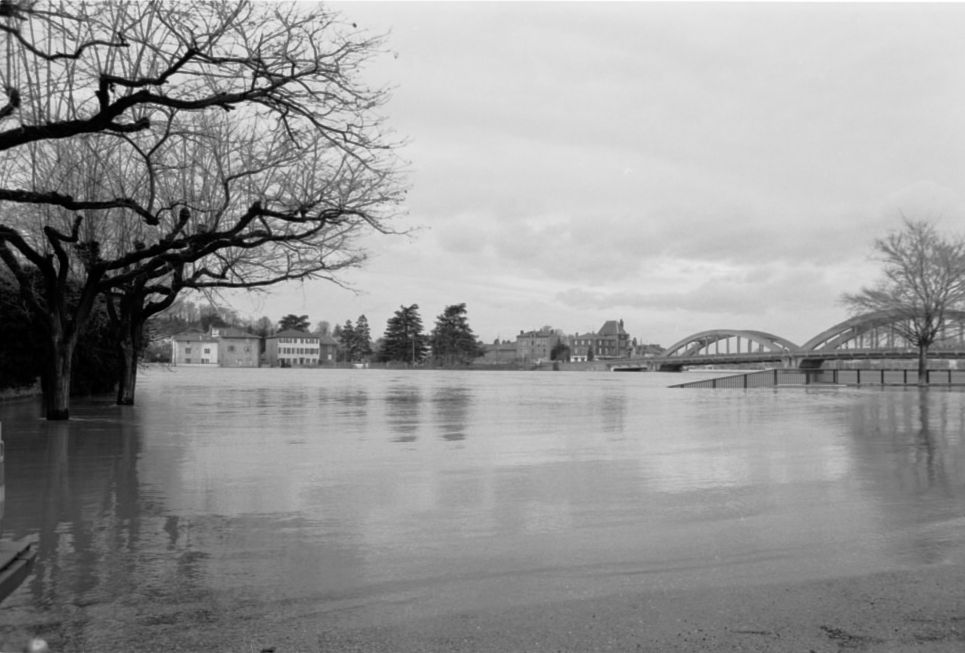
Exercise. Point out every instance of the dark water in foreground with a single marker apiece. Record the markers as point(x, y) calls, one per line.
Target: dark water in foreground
point(232, 509)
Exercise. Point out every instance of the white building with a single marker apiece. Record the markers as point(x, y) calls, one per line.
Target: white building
point(194, 349)
point(291, 348)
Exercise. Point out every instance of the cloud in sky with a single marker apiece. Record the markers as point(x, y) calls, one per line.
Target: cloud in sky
point(682, 166)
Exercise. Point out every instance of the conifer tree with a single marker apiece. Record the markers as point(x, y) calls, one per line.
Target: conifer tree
point(362, 347)
point(453, 342)
point(346, 341)
point(404, 340)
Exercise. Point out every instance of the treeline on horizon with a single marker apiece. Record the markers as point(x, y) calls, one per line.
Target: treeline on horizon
point(97, 360)
point(451, 343)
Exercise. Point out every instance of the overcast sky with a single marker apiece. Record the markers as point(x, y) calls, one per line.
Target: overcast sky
point(680, 166)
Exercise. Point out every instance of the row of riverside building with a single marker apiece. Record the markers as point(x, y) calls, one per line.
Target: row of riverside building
point(533, 347)
point(611, 341)
point(229, 347)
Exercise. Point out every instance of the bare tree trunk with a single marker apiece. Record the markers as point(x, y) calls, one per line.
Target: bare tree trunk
point(56, 386)
point(131, 343)
point(61, 343)
point(127, 379)
point(922, 365)
point(129, 318)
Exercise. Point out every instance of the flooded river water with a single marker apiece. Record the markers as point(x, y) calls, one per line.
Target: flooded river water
point(234, 509)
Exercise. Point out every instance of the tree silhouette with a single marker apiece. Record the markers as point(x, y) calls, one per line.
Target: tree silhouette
point(924, 278)
point(135, 180)
point(362, 345)
point(294, 322)
point(452, 340)
point(404, 340)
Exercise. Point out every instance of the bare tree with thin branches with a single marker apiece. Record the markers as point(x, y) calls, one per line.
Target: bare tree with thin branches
point(279, 188)
point(924, 278)
point(72, 68)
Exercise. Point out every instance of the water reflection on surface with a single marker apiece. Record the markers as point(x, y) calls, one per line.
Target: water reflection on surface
point(451, 404)
point(230, 502)
point(910, 452)
point(403, 405)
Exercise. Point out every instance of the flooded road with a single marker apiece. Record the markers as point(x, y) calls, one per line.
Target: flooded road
point(233, 510)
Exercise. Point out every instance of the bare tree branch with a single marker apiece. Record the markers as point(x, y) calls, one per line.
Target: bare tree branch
point(924, 278)
point(115, 171)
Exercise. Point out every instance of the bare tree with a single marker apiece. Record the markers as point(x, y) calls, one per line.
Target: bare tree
point(280, 188)
point(103, 67)
point(924, 278)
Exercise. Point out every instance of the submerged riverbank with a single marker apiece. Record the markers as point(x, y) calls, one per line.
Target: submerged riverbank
point(385, 510)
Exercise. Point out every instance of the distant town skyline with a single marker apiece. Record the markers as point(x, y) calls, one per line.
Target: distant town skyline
point(681, 166)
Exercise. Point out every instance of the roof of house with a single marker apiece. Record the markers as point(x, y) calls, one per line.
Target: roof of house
point(327, 339)
point(293, 333)
point(231, 332)
point(612, 328)
point(193, 336)
point(542, 333)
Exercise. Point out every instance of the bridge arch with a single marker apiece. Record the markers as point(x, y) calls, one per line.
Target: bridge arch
point(732, 340)
point(880, 331)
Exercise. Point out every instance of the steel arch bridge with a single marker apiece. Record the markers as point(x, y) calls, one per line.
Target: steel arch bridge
point(728, 342)
point(870, 336)
point(880, 331)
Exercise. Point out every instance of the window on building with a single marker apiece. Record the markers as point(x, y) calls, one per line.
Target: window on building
point(187, 350)
point(231, 347)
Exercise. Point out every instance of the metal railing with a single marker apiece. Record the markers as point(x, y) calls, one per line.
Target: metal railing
point(797, 377)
